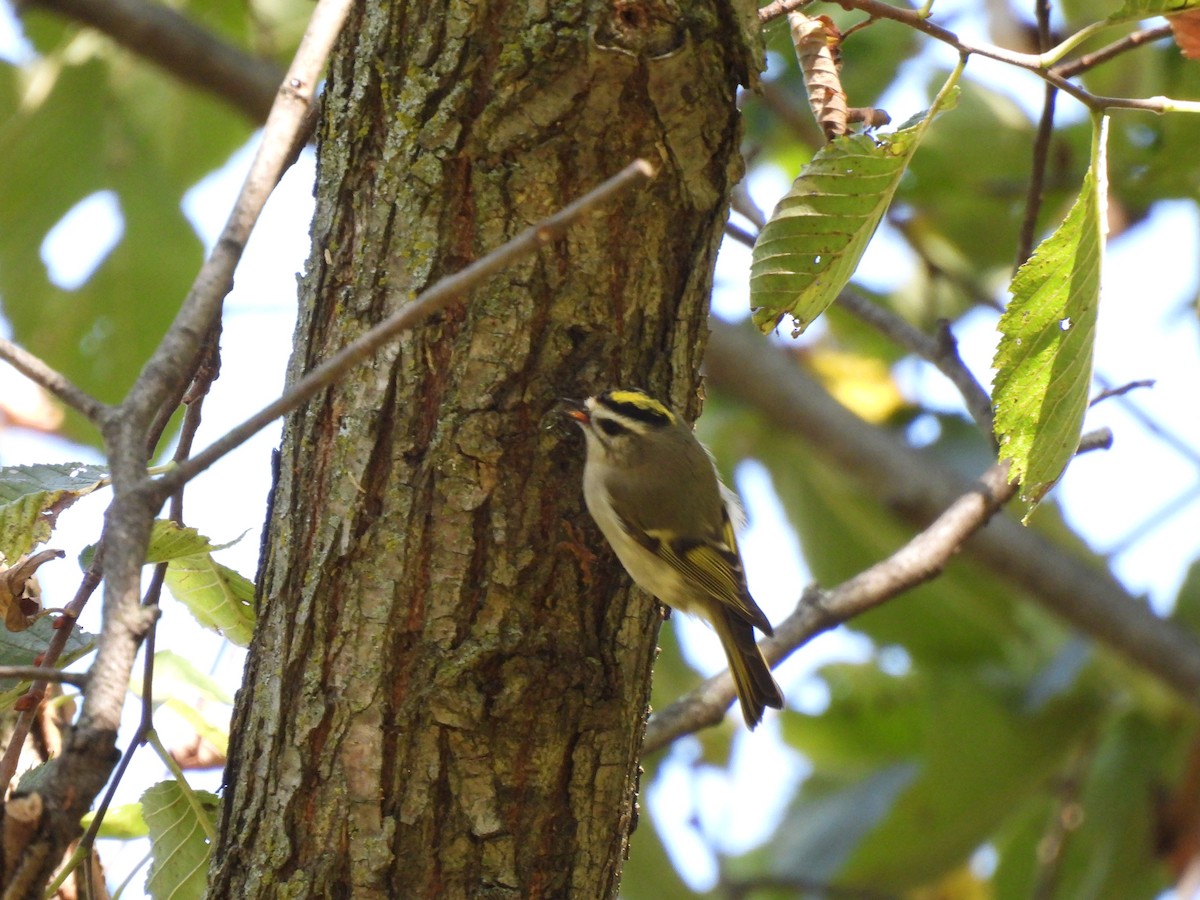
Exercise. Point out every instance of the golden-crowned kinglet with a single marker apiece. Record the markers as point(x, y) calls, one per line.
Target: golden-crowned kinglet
point(653, 490)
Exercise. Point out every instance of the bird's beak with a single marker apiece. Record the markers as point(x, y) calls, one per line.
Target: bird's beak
point(576, 409)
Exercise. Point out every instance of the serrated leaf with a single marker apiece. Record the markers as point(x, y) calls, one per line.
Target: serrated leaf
point(810, 247)
point(179, 842)
point(23, 647)
point(215, 594)
point(170, 541)
point(1132, 10)
point(1044, 360)
point(31, 497)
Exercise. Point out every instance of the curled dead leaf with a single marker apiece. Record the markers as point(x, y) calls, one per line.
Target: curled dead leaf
point(818, 48)
point(20, 595)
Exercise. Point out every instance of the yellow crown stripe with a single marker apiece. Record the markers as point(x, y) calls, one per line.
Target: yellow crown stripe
point(640, 401)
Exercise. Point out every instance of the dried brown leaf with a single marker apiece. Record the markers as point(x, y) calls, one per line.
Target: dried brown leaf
point(818, 48)
point(20, 596)
point(1186, 28)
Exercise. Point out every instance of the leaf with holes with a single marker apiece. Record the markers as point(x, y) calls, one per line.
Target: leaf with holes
point(31, 497)
point(1044, 360)
point(816, 236)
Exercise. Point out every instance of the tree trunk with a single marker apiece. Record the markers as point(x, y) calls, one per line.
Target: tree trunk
point(446, 695)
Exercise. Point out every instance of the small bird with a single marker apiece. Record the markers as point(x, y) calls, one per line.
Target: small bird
point(654, 491)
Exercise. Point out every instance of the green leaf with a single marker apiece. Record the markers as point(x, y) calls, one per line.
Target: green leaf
point(21, 648)
point(1121, 788)
point(122, 823)
point(83, 119)
point(1133, 10)
point(219, 597)
point(169, 541)
point(982, 751)
point(811, 246)
point(215, 594)
point(1044, 360)
point(31, 497)
point(173, 673)
point(828, 820)
point(179, 843)
point(1187, 601)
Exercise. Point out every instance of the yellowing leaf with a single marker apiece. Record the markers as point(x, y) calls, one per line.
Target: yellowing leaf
point(215, 594)
point(862, 384)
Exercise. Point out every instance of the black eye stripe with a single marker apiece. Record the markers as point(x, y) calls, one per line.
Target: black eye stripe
point(611, 428)
point(635, 412)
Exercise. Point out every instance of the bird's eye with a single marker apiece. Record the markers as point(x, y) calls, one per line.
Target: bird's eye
point(611, 428)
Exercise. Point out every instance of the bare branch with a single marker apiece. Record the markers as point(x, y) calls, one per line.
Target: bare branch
point(54, 649)
point(1121, 391)
point(1036, 63)
point(56, 383)
point(158, 33)
point(1037, 176)
point(1116, 48)
point(780, 8)
point(43, 674)
point(920, 560)
point(431, 301)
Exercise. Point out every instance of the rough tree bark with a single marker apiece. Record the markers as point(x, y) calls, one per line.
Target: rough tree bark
point(445, 697)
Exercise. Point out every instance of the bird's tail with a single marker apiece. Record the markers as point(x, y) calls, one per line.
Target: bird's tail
point(756, 689)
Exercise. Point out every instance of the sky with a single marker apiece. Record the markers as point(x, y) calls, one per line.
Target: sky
point(1148, 329)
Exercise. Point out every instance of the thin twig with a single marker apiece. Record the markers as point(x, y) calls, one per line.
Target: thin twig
point(1036, 63)
point(941, 351)
point(1037, 177)
point(920, 560)
point(53, 381)
point(151, 599)
point(1116, 48)
point(1121, 391)
point(780, 8)
point(145, 723)
point(1041, 149)
point(739, 234)
point(44, 674)
point(54, 649)
point(431, 301)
